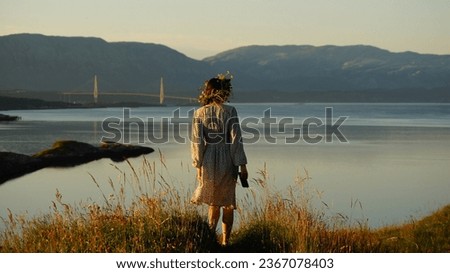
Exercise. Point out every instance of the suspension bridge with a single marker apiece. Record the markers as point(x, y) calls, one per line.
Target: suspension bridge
point(162, 96)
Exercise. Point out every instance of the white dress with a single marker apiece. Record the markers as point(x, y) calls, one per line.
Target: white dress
point(217, 150)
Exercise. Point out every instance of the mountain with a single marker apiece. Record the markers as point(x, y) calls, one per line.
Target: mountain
point(297, 68)
point(36, 62)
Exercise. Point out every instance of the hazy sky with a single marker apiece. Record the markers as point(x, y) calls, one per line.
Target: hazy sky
point(201, 28)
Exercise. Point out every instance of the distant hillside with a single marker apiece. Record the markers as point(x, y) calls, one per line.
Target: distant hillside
point(300, 68)
point(37, 62)
point(34, 62)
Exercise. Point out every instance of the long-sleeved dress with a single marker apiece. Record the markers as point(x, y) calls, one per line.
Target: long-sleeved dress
point(217, 149)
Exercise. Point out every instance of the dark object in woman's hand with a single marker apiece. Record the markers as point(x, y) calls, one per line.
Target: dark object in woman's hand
point(244, 181)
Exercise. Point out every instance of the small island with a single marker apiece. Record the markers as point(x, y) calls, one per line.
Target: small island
point(65, 153)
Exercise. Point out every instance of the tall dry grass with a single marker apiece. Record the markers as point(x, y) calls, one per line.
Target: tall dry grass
point(295, 219)
point(147, 212)
point(144, 213)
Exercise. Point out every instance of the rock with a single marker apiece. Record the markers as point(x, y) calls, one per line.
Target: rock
point(67, 153)
point(119, 152)
point(14, 165)
point(9, 118)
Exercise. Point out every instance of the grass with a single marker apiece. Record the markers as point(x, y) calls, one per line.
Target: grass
point(159, 219)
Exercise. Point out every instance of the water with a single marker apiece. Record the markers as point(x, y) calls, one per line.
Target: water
point(391, 164)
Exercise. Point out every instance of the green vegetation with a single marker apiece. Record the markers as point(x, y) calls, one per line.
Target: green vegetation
point(160, 219)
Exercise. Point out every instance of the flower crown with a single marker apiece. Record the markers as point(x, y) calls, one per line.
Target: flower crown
point(226, 76)
point(219, 92)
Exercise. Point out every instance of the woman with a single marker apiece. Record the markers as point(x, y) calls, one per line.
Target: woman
point(217, 153)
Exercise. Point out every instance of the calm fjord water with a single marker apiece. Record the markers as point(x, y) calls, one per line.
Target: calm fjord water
point(395, 162)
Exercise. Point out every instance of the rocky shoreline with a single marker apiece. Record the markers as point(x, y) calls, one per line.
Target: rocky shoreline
point(9, 118)
point(67, 153)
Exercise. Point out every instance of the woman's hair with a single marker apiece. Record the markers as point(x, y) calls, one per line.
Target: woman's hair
point(217, 89)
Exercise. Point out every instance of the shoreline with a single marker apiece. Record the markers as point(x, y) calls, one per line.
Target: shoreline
point(7, 118)
point(33, 100)
point(65, 154)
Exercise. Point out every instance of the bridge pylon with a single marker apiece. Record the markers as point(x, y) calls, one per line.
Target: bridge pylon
point(95, 89)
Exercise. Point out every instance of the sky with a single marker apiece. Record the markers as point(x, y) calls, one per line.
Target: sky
point(202, 28)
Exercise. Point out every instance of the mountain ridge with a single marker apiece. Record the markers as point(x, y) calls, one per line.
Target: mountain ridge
point(37, 62)
point(334, 67)
point(127, 65)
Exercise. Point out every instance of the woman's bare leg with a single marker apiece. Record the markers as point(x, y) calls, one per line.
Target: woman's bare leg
point(213, 216)
point(227, 224)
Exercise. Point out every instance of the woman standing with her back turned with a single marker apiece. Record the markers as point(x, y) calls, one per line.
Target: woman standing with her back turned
point(217, 153)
